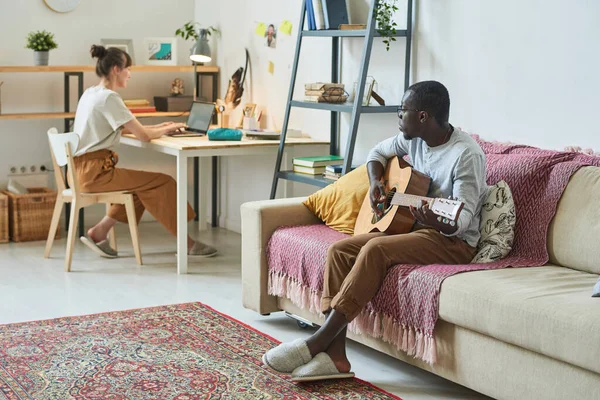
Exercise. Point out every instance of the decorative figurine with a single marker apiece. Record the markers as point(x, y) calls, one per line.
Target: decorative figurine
point(177, 88)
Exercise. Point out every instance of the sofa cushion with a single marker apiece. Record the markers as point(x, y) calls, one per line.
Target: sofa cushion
point(574, 231)
point(497, 224)
point(544, 309)
point(339, 203)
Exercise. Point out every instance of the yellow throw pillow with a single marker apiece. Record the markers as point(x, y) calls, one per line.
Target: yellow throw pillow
point(338, 204)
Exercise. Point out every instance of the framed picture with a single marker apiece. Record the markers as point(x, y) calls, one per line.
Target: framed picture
point(124, 44)
point(160, 51)
point(247, 111)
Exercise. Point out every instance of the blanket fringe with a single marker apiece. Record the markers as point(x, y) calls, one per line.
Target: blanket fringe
point(378, 325)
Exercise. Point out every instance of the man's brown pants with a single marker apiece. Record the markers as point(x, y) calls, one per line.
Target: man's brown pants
point(152, 191)
point(357, 266)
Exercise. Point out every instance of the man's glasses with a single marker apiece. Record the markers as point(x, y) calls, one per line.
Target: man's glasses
point(403, 110)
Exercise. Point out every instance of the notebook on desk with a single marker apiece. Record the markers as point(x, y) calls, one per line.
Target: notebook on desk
point(201, 114)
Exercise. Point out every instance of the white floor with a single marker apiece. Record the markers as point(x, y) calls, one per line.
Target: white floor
point(33, 288)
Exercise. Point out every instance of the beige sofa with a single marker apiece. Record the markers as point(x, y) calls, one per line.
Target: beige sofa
point(516, 333)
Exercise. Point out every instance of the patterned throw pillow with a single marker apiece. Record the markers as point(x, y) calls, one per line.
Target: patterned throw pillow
point(497, 225)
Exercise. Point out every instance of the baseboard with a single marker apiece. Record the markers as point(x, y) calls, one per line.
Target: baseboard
point(234, 225)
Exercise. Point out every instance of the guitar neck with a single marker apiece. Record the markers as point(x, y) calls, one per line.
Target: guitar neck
point(405, 200)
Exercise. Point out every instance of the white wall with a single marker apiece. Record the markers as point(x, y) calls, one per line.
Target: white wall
point(24, 142)
point(522, 71)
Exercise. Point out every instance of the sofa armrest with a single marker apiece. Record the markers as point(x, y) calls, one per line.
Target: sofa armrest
point(259, 220)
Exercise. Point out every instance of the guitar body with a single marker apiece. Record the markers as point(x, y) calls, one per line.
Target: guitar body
point(399, 177)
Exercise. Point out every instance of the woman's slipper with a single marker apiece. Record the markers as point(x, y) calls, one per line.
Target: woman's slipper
point(287, 356)
point(321, 367)
point(202, 250)
point(102, 248)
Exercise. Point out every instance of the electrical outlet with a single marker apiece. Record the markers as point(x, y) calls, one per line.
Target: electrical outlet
point(12, 169)
point(43, 168)
point(32, 168)
point(23, 169)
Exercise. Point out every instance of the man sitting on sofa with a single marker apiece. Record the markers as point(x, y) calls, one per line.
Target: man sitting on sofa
point(357, 266)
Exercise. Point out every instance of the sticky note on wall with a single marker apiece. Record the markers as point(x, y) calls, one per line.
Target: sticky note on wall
point(261, 29)
point(271, 67)
point(286, 27)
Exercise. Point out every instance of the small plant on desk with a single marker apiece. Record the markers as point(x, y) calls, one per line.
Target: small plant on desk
point(41, 42)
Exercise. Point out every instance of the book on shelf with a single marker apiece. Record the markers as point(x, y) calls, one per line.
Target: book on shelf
point(309, 170)
point(318, 161)
point(312, 99)
point(352, 27)
point(135, 110)
point(136, 103)
point(334, 169)
point(332, 177)
point(313, 92)
point(319, 16)
point(321, 86)
point(337, 169)
point(335, 13)
point(327, 14)
point(310, 16)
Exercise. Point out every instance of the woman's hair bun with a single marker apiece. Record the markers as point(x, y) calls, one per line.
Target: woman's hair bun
point(98, 51)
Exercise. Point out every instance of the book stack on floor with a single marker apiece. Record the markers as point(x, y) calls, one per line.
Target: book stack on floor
point(139, 106)
point(315, 165)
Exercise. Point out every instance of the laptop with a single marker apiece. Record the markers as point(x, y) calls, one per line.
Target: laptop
point(201, 115)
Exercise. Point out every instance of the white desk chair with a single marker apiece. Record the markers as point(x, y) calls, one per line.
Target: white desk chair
point(62, 147)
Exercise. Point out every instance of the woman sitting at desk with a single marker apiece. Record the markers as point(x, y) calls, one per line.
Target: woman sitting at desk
point(101, 116)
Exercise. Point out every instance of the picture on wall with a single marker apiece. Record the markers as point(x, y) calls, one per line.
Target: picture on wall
point(271, 36)
point(160, 51)
point(124, 44)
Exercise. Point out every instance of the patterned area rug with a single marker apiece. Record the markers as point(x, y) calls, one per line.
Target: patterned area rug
point(180, 352)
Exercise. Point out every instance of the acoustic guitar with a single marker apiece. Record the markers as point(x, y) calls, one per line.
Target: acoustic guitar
point(403, 187)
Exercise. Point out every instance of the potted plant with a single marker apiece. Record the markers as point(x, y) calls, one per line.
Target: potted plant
point(193, 31)
point(385, 25)
point(41, 42)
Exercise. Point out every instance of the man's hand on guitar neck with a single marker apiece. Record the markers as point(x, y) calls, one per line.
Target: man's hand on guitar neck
point(377, 189)
point(427, 217)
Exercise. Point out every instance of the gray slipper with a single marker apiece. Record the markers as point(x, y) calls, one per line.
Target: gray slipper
point(287, 356)
point(321, 367)
point(102, 248)
point(202, 250)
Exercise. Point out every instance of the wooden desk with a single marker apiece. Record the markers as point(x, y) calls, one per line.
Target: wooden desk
point(189, 147)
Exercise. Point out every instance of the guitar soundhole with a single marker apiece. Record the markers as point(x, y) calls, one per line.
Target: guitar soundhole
point(385, 206)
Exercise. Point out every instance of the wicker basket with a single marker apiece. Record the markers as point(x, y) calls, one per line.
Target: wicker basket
point(30, 214)
point(3, 218)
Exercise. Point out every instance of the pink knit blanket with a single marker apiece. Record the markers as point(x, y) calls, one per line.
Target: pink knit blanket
point(405, 310)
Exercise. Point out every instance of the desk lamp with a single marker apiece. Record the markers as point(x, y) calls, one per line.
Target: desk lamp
point(200, 53)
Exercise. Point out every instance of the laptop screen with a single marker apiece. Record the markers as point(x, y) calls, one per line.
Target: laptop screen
point(200, 117)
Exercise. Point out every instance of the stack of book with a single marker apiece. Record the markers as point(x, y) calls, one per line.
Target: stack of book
point(326, 14)
point(313, 92)
point(315, 165)
point(139, 106)
point(333, 172)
